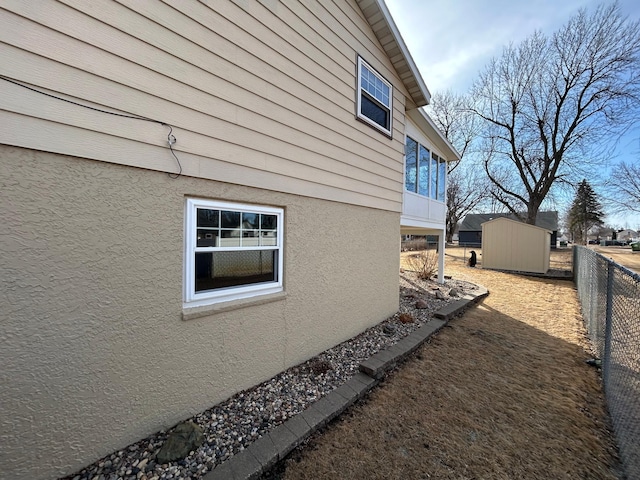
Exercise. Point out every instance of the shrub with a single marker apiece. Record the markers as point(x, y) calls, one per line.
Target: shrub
point(424, 263)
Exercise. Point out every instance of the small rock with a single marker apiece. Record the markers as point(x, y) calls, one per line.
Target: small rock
point(389, 329)
point(142, 463)
point(454, 293)
point(186, 437)
point(422, 304)
point(318, 366)
point(406, 318)
point(440, 295)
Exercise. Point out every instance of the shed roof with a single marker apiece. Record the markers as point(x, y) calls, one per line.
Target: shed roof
point(473, 221)
point(510, 220)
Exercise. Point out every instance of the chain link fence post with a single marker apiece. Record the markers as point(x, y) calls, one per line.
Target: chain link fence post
point(609, 296)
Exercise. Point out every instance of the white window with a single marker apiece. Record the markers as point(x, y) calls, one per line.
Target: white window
point(442, 180)
point(425, 173)
point(232, 251)
point(374, 98)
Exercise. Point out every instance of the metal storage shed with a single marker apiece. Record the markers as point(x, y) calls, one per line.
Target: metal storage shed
point(515, 246)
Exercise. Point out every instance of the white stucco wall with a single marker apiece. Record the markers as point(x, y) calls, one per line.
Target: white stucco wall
point(94, 352)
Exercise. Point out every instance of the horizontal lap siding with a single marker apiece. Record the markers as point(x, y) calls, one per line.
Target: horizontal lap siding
point(260, 94)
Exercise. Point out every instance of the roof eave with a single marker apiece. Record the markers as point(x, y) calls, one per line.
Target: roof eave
point(387, 33)
point(426, 123)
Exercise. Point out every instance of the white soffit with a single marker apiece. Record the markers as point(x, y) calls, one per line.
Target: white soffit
point(388, 35)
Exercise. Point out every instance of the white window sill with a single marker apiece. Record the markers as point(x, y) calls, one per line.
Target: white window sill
point(192, 313)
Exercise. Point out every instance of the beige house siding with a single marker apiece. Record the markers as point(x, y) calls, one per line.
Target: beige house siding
point(95, 354)
point(515, 246)
point(276, 79)
point(98, 347)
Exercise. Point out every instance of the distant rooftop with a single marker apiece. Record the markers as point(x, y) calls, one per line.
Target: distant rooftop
point(473, 221)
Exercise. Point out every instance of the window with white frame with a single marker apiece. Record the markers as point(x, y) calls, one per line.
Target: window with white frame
point(416, 167)
point(375, 97)
point(442, 179)
point(425, 172)
point(232, 251)
point(434, 176)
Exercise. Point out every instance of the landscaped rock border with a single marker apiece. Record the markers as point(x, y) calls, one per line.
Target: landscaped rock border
point(263, 454)
point(295, 397)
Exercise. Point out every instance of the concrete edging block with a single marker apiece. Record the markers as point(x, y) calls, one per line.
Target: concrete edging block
point(346, 392)
point(284, 440)
point(265, 452)
point(299, 427)
point(372, 367)
point(244, 466)
point(314, 417)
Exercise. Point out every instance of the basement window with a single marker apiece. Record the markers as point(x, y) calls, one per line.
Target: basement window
point(232, 251)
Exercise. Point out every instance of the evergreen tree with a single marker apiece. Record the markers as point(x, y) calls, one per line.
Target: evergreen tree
point(585, 212)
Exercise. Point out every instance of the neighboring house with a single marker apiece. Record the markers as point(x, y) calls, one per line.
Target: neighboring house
point(471, 227)
point(196, 196)
point(601, 234)
point(627, 235)
point(515, 246)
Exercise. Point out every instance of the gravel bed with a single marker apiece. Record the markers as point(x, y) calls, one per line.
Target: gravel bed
point(235, 423)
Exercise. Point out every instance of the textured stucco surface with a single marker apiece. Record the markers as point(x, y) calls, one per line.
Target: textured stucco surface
point(93, 349)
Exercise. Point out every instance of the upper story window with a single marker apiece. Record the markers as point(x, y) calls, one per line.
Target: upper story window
point(442, 179)
point(232, 251)
point(434, 177)
point(416, 167)
point(425, 172)
point(375, 97)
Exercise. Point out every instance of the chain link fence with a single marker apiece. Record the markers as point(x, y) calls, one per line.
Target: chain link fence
point(610, 298)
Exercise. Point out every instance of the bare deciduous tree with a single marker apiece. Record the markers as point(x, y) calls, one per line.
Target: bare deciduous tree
point(552, 105)
point(466, 189)
point(624, 188)
point(452, 114)
point(466, 184)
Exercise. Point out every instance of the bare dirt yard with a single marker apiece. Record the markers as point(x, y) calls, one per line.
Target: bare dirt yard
point(502, 392)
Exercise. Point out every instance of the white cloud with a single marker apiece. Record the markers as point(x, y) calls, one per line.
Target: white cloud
point(451, 40)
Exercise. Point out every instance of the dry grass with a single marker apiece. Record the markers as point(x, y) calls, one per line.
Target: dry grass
point(502, 393)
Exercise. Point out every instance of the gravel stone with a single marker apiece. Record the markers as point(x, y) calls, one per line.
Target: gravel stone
point(232, 425)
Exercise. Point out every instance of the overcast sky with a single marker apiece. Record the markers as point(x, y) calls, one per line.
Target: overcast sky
point(452, 40)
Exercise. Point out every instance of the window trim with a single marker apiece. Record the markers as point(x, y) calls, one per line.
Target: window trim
point(191, 298)
point(442, 179)
point(359, 93)
point(434, 180)
point(433, 176)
